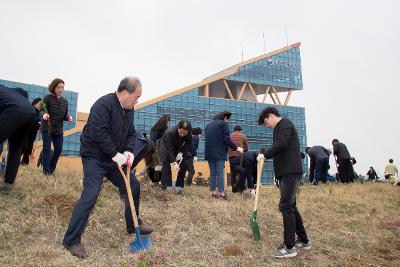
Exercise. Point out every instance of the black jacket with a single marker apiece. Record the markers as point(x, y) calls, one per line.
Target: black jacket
point(285, 149)
point(171, 144)
point(58, 111)
point(340, 150)
point(109, 129)
point(13, 104)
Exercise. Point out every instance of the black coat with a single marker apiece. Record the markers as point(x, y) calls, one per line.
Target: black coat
point(58, 111)
point(13, 104)
point(285, 149)
point(109, 129)
point(340, 150)
point(171, 144)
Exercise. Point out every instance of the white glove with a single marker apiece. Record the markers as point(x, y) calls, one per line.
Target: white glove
point(260, 157)
point(179, 156)
point(195, 158)
point(240, 149)
point(46, 117)
point(129, 157)
point(158, 168)
point(120, 159)
point(175, 166)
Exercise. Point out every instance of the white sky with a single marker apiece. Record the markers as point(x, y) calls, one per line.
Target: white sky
point(350, 55)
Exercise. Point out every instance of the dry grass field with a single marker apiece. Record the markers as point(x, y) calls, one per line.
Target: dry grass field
point(348, 225)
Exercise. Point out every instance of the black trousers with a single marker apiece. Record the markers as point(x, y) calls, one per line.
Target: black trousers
point(292, 221)
point(345, 169)
point(186, 166)
point(15, 129)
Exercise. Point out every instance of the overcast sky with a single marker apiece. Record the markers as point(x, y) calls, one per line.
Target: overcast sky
point(350, 55)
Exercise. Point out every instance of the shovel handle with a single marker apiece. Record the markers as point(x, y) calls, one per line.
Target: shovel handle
point(260, 165)
point(129, 192)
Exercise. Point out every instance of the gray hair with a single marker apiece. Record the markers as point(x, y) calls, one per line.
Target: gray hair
point(130, 84)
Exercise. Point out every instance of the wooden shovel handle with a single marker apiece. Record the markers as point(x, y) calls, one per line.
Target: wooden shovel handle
point(260, 165)
point(129, 192)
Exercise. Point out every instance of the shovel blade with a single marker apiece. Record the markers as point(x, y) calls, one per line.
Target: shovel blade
point(254, 226)
point(141, 242)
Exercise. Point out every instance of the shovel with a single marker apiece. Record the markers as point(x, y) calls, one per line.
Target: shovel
point(253, 220)
point(141, 243)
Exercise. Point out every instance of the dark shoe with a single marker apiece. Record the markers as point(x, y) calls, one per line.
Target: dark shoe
point(6, 188)
point(144, 230)
point(214, 195)
point(78, 250)
point(223, 197)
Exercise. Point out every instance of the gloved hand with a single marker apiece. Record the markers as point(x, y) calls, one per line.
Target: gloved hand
point(158, 168)
point(175, 166)
point(195, 158)
point(120, 159)
point(260, 157)
point(69, 118)
point(46, 117)
point(129, 158)
point(179, 156)
point(240, 149)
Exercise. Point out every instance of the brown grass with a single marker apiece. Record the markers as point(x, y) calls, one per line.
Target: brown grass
point(353, 225)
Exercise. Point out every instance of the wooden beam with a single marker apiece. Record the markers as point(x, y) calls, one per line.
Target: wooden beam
point(276, 95)
point(266, 93)
point(227, 89)
point(241, 91)
point(254, 93)
point(272, 97)
point(207, 90)
point(288, 97)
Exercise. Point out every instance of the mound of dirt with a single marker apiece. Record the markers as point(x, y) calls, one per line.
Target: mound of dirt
point(232, 250)
point(63, 203)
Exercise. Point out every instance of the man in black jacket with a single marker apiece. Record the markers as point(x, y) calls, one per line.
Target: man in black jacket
point(343, 163)
point(319, 163)
point(285, 152)
point(17, 116)
point(175, 143)
point(107, 139)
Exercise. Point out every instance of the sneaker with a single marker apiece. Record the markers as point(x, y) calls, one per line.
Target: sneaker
point(169, 188)
point(284, 252)
point(78, 250)
point(253, 193)
point(302, 245)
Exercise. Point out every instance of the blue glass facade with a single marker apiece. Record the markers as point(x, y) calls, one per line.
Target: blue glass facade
point(35, 91)
point(200, 111)
point(280, 70)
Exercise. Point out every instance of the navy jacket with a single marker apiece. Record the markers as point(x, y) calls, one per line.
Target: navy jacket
point(109, 129)
point(217, 140)
point(250, 157)
point(13, 104)
point(171, 144)
point(195, 145)
point(285, 149)
point(318, 153)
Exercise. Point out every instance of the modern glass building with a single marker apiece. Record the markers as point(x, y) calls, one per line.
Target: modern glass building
point(243, 89)
point(69, 148)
